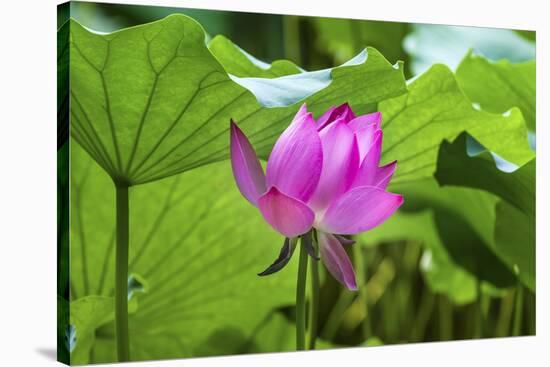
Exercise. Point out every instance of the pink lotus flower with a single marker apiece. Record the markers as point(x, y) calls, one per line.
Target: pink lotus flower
point(322, 175)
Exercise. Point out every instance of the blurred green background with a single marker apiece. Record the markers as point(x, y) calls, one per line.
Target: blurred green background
point(402, 298)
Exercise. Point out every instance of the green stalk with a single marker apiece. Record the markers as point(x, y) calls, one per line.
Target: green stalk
point(301, 295)
point(314, 314)
point(505, 315)
point(423, 316)
point(518, 312)
point(480, 325)
point(121, 273)
point(361, 276)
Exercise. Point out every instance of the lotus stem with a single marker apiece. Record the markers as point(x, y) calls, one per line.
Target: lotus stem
point(301, 295)
point(518, 310)
point(121, 273)
point(314, 314)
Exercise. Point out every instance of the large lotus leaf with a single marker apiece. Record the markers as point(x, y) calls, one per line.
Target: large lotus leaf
point(513, 239)
point(499, 86)
point(435, 109)
point(369, 84)
point(432, 43)
point(196, 243)
point(152, 101)
point(414, 124)
point(238, 62)
point(456, 168)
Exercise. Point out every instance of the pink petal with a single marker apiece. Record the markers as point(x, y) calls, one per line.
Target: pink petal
point(336, 260)
point(365, 128)
point(286, 215)
point(362, 121)
point(360, 209)
point(295, 163)
point(383, 175)
point(366, 138)
point(343, 111)
point(369, 164)
point(247, 170)
point(340, 164)
point(301, 112)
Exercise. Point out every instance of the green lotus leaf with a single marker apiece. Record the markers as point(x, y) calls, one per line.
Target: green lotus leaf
point(513, 239)
point(435, 109)
point(152, 101)
point(87, 314)
point(238, 62)
point(501, 85)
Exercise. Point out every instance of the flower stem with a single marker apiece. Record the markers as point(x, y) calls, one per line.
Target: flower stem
point(301, 295)
point(314, 314)
point(518, 310)
point(121, 273)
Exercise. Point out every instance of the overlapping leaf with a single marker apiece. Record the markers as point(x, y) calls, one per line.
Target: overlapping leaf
point(435, 109)
point(456, 168)
point(238, 62)
point(499, 86)
point(513, 236)
point(152, 101)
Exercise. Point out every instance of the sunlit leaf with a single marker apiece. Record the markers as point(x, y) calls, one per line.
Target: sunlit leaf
point(238, 62)
point(499, 86)
point(152, 101)
point(87, 314)
point(435, 109)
